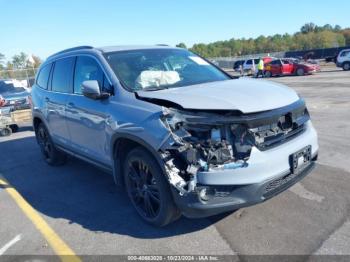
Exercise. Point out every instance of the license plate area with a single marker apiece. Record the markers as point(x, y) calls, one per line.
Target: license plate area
point(300, 160)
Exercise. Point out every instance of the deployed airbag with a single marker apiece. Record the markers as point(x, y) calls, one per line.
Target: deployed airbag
point(157, 78)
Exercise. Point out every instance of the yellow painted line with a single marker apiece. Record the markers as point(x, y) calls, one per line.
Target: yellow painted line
point(65, 253)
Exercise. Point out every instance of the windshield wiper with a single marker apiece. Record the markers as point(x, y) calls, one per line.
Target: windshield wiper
point(155, 88)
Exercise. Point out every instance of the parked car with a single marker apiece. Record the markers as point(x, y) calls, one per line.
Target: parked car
point(251, 65)
point(237, 65)
point(279, 67)
point(179, 134)
point(14, 93)
point(2, 101)
point(343, 59)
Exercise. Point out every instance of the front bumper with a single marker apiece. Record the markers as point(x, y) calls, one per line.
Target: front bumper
point(228, 198)
point(267, 174)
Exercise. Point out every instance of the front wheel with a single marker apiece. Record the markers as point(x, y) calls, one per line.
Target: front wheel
point(148, 189)
point(52, 156)
point(346, 66)
point(5, 131)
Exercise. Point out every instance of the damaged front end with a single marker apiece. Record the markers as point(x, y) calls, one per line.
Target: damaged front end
point(216, 141)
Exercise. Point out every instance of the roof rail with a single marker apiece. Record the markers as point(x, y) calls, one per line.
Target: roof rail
point(162, 45)
point(72, 49)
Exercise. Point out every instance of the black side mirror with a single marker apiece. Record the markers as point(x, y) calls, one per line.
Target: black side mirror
point(91, 89)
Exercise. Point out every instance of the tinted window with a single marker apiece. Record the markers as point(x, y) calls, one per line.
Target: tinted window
point(86, 68)
point(249, 62)
point(43, 77)
point(62, 75)
point(256, 61)
point(275, 62)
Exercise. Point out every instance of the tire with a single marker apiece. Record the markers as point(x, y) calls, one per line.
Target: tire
point(148, 189)
point(51, 154)
point(346, 66)
point(14, 128)
point(6, 131)
point(300, 72)
point(268, 74)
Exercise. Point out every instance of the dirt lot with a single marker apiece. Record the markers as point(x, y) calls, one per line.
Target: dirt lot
point(82, 206)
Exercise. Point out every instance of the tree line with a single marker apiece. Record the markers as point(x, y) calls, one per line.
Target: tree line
point(310, 36)
point(12, 68)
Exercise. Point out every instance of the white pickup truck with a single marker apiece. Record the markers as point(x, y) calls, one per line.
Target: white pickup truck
point(343, 59)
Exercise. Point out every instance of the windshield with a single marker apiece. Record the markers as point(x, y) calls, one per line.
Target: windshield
point(155, 69)
point(9, 87)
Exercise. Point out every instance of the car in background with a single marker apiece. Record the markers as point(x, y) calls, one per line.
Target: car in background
point(15, 94)
point(279, 67)
point(343, 59)
point(252, 64)
point(237, 65)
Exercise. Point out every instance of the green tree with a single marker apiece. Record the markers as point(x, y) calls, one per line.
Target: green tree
point(2, 61)
point(307, 28)
point(181, 45)
point(20, 61)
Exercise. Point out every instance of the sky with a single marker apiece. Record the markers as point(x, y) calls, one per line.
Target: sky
point(42, 27)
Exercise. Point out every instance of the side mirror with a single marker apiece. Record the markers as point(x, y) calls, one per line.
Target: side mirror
point(91, 89)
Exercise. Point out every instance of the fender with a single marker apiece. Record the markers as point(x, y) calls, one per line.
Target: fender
point(117, 171)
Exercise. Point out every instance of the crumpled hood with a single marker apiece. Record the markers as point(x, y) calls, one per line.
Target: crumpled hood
point(245, 95)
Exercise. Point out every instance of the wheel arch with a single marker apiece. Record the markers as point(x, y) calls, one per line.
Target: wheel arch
point(122, 143)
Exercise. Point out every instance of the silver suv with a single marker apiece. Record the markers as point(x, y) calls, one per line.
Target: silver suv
point(181, 135)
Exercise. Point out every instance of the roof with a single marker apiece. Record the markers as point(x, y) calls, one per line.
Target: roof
point(107, 49)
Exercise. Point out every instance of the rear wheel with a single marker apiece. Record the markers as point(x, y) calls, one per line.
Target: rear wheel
point(300, 72)
point(52, 155)
point(148, 188)
point(6, 131)
point(346, 66)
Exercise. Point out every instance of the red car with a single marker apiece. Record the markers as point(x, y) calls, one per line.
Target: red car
point(2, 101)
point(289, 67)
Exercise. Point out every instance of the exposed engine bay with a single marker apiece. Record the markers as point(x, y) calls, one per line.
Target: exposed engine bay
point(212, 141)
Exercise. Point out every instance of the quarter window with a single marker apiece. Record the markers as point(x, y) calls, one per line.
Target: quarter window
point(62, 75)
point(86, 68)
point(43, 77)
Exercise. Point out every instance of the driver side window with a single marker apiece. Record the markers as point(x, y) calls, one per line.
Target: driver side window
point(86, 68)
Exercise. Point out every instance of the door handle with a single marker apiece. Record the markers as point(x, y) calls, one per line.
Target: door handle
point(71, 104)
point(47, 99)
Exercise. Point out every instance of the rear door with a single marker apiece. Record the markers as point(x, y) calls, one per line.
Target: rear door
point(61, 85)
point(87, 118)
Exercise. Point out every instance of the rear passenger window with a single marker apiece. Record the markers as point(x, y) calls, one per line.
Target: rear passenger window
point(62, 75)
point(86, 68)
point(43, 77)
